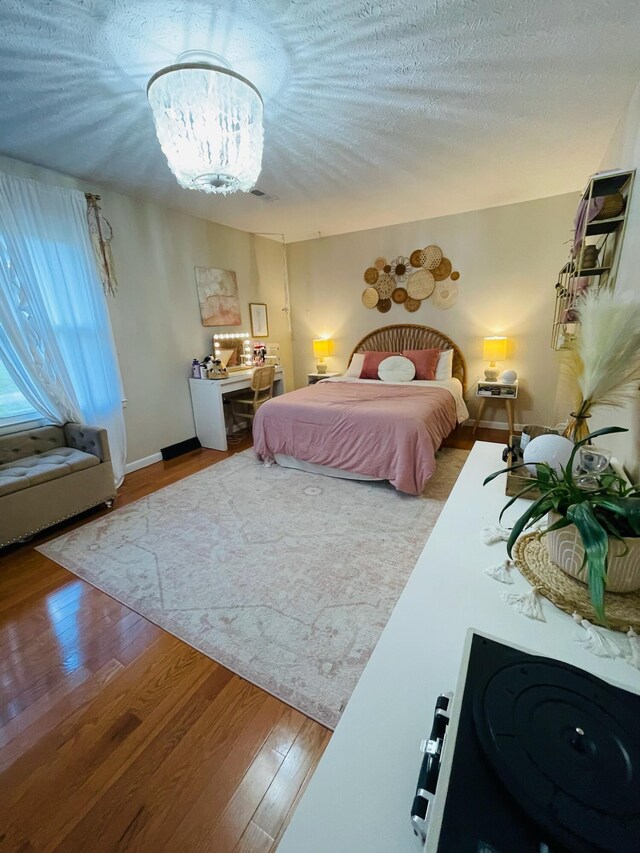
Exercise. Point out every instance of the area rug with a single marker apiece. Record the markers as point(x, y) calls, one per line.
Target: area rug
point(286, 578)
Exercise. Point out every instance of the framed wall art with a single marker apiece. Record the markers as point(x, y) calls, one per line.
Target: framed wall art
point(218, 297)
point(259, 321)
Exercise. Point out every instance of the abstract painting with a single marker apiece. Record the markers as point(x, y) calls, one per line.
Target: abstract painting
point(218, 297)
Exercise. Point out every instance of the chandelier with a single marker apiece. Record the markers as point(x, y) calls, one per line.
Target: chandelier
point(209, 123)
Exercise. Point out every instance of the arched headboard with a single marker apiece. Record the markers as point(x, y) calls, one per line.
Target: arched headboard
point(402, 337)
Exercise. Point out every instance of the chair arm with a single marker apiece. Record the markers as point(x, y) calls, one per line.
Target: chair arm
point(89, 439)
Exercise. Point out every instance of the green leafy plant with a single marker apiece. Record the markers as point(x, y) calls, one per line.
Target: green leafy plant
point(612, 509)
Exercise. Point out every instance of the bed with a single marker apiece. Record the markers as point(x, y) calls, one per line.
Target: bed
point(368, 429)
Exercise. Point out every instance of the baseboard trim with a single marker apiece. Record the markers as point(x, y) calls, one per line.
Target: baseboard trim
point(142, 463)
point(493, 424)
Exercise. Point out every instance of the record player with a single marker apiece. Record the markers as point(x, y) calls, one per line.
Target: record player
point(531, 755)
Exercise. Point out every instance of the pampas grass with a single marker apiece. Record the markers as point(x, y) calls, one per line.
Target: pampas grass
point(605, 358)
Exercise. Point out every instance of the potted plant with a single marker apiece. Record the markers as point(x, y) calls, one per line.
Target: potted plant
point(594, 532)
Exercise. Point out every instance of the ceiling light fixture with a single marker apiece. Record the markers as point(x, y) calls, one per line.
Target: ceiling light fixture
point(209, 123)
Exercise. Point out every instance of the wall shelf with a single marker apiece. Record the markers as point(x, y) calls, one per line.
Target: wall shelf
point(605, 236)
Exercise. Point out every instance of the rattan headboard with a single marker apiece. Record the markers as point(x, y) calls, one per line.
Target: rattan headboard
point(402, 337)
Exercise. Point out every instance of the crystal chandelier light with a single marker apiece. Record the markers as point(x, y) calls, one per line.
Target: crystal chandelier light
point(209, 123)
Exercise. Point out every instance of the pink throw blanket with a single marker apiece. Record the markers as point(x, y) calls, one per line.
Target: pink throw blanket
point(386, 431)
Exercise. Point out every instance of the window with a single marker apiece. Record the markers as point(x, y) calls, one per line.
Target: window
point(14, 408)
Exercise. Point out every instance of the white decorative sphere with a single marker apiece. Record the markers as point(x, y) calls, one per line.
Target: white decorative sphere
point(555, 450)
point(508, 376)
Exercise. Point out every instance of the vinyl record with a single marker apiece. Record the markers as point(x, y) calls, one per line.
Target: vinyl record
point(430, 257)
point(370, 297)
point(445, 295)
point(380, 264)
point(385, 286)
point(384, 305)
point(415, 259)
point(399, 295)
point(371, 275)
point(443, 270)
point(421, 284)
point(412, 304)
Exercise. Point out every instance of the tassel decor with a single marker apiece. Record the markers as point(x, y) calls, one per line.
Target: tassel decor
point(599, 641)
point(494, 533)
point(501, 572)
point(527, 604)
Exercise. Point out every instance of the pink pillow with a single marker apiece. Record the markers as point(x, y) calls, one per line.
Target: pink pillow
point(372, 361)
point(425, 360)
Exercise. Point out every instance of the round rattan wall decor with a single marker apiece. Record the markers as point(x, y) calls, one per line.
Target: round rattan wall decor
point(380, 264)
point(421, 284)
point(370, 297)
point(412, 304)
point(415, 259)
point(400, 268)
point(384, 305)
point(430, 257)
point(445, 296)
point(371, 275)
point(455, 275)
point(443, 270)
point(399, 295)
point(387, 268)
point(385, 286)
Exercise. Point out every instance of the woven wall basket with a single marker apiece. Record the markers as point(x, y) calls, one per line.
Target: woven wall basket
point(370, 297)
point(430, 257)
point(445, 296)
point(443, 270)
point(385, 286)
point(371, 275)
point(380, 263)
point(415, 259)
point(399, 295)
point(384, 305)
point(421, 284)
point(412, 304)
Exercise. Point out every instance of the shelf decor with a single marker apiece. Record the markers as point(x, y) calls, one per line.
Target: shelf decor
point(410, 281)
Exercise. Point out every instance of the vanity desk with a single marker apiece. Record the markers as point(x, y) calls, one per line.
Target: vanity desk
point(207, 400)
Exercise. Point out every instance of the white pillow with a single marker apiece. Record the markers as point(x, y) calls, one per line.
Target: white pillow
point(444, 367)
point(355, 365)
point(396, 368)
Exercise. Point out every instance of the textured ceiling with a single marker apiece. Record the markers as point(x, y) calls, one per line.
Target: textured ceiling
point(376, 111)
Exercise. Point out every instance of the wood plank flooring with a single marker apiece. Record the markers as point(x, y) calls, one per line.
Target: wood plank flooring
point(116, 736)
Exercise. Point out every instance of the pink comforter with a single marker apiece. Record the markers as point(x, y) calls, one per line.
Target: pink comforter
point(386, 431)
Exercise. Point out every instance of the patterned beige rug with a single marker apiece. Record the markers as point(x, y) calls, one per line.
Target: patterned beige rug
point(285, 577)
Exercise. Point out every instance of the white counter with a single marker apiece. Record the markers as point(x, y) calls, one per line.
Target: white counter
point(359, 798)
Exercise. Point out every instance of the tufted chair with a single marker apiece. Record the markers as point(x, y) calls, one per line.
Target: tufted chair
point(49, 474)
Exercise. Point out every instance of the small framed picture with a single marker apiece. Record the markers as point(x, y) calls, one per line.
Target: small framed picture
point(259, 321)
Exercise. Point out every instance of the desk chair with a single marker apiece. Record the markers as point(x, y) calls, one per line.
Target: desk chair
point(244, 405)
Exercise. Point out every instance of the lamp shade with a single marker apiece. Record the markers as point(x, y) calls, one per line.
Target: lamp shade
point(209, 123)
point(322, 347)
point(494, 349)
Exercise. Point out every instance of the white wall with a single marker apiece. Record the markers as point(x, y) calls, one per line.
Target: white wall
point(155, 314)
point(508, 258)
point(624, 153)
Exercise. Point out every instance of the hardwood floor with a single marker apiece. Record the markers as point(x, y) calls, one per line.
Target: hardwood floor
point(114, 735)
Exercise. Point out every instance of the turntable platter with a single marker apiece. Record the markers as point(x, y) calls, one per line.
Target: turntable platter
point(567, 746)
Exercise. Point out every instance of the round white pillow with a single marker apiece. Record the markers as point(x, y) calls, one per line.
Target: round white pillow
point(396, 368)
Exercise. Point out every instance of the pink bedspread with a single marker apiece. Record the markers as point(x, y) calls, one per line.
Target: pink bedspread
point(385, 431)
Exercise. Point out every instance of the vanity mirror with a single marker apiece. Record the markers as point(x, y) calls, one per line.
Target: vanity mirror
point(233, 350)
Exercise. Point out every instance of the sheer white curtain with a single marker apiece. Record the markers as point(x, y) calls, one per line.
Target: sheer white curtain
point(55, 334)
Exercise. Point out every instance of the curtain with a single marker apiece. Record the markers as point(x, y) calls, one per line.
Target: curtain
point(55, 334)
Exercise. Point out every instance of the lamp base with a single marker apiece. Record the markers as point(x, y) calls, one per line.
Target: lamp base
point(321, 368)
point(491, 374)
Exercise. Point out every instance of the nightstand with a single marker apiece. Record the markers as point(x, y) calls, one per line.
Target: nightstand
point(507, 391)
point(312, 378)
